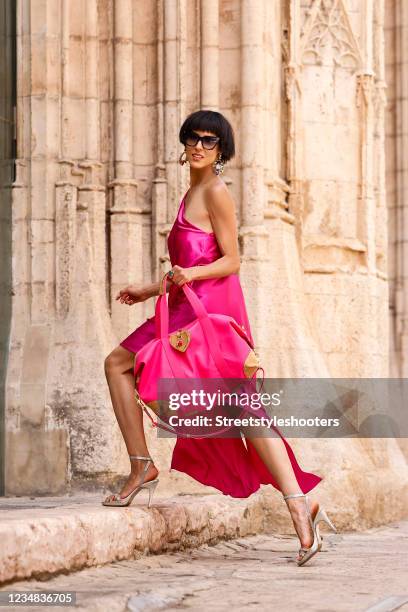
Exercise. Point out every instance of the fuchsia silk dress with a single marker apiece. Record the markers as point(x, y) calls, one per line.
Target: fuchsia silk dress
point(224, 463)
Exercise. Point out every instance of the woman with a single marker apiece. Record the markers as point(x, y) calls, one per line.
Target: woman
point(203, 248)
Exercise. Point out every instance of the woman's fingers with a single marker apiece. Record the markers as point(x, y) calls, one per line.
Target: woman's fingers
point(122, 294)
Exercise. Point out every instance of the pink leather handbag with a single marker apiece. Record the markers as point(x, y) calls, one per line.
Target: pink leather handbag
point(211, 346)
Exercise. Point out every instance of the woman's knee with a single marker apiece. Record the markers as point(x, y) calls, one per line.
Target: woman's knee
point(119, 360)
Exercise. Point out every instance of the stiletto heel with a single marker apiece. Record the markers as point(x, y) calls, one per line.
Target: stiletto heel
point(322, 516)
point(308, 553)
point(150, 485)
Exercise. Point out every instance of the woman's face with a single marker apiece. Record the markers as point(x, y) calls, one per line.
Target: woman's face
point(204, 157)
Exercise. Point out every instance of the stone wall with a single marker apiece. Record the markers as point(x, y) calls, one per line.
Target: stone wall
point(103, 88)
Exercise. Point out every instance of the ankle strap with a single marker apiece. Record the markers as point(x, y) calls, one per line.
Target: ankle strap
point(294, 495)
point(140, 457)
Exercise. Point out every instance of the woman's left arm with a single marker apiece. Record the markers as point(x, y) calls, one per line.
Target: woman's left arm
point(221, 209)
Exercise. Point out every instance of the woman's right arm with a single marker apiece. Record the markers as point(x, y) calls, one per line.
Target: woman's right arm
point(132, 294)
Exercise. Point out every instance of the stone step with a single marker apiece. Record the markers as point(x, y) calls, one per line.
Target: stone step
point(44, 536)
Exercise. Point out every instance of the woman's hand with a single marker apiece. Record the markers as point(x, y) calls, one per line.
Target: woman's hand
point(133, 294)
point(182, 275)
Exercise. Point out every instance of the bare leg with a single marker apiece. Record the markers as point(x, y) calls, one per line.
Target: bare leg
point(119, 375)
point(273, 453)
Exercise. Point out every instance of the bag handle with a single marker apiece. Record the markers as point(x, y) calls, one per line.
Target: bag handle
point(162, 310)
point(162, 323)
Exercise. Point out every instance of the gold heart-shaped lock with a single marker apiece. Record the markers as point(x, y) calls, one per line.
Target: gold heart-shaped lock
point(180, 339)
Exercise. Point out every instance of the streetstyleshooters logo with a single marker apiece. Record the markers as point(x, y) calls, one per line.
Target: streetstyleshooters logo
point(223, 421)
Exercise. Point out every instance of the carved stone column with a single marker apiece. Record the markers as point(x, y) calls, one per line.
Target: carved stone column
point(209, 54)
point(78, 396)
point(31, 447)
point(380, 103)
point(160, 226)
point(125, 223)
point(401, 218)
point(171, 59)
point(252, 234)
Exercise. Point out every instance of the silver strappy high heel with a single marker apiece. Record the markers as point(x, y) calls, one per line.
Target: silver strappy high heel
point(308, 553)
point(149, 485)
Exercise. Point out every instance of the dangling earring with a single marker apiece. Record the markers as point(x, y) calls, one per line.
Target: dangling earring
point(218, 165)
point(183, 161)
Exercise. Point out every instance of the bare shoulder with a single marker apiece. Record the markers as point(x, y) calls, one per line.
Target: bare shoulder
point(219, 200)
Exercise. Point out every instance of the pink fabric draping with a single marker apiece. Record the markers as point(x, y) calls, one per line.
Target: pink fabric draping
point(227, 464)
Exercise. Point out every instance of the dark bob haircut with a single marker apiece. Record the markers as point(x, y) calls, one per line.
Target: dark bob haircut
point(211, 121)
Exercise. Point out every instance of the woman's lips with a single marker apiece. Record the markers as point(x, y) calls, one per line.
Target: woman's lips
point(197, 156)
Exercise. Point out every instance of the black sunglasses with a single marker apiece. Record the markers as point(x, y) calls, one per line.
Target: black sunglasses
point(208, 142)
